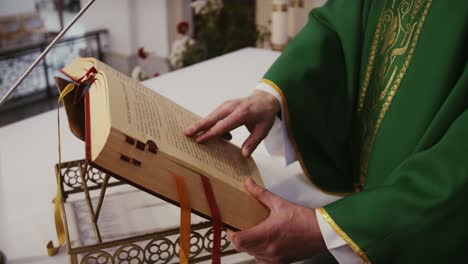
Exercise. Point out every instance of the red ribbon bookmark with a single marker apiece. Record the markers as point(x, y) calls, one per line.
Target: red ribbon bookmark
point(185, 219)
point(216, 219)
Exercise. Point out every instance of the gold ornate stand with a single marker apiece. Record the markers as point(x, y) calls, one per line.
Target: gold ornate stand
point(78, 177)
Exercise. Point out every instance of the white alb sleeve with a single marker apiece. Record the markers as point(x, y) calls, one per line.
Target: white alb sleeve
point(278, 144)
point(335, 244)
point(277, 141)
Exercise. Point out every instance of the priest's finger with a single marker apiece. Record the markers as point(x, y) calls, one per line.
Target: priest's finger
point(208, 122)
point(258, 133)
point(262, 195)
point(232, 121)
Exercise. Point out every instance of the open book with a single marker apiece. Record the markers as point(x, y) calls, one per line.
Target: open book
point(136, 135)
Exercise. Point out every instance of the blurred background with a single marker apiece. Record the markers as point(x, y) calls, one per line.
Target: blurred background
point(141, 38)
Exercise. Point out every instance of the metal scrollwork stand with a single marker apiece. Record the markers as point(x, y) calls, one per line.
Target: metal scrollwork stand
point(78, 177)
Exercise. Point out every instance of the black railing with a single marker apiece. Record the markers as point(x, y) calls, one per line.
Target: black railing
point(40, 83)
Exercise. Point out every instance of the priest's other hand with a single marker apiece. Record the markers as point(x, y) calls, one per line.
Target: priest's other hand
point(291, 232)
point(257, 112)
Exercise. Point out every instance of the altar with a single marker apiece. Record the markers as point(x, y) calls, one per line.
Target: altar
point(28, 153)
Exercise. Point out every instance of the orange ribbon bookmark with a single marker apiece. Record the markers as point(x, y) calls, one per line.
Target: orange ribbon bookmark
point(185, 219)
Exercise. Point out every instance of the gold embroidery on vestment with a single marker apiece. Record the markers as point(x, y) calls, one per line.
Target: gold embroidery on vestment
point(393, 46)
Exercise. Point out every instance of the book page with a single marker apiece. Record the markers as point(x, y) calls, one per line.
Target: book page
point(140, 112)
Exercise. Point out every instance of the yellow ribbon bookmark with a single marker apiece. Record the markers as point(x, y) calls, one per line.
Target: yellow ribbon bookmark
point(59, 226)
point(185, 219)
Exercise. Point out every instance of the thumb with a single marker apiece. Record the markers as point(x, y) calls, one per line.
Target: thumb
point(262, 195)
point(230, 235)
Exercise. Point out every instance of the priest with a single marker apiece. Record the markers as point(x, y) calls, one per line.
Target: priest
point(373, 96)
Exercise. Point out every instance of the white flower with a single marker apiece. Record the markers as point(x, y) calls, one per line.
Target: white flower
point(138, 74)
point(200, 6)
point(184, 40)
point(217, 4)
point(179, 47)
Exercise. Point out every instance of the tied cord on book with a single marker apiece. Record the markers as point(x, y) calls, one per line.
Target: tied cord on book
point(82, 90)
point(59, 226)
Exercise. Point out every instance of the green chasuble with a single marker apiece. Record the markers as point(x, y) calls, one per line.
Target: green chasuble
point(375, 97)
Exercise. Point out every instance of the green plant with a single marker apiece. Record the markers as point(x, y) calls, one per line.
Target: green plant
point(222, 30)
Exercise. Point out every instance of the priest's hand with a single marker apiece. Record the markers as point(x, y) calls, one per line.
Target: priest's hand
point(291, 232)
point(257, 112)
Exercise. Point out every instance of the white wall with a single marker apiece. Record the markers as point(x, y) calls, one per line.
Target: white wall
point(114, 16)
point(10, 7)
point(131, 24)
point(151, 26)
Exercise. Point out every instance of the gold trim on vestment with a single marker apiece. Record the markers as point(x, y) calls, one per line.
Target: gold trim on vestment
point(390, 26)
point(370, 63)
point(293, 141)
point(344, 236)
